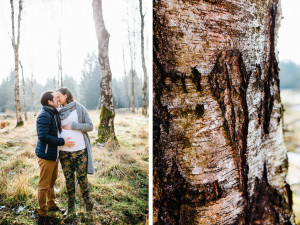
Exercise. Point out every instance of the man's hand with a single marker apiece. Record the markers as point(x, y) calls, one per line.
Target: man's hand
point(67, 126)
point(69, 143)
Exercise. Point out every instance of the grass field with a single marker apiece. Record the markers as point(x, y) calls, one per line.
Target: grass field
point(119, 187)
point(291, 103)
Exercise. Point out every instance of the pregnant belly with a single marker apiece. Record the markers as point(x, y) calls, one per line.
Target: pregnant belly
point(75, 136)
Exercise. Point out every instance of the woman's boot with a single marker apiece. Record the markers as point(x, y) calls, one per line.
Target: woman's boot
point(89, 206)
point(71, 207)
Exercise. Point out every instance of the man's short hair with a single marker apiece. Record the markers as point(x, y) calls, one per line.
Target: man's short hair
point(45, 97)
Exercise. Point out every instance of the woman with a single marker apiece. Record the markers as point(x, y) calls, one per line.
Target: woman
point(76, 123)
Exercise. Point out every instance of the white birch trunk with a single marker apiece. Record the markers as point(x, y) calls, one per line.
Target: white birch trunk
point(24, 93)
point(15, 44)
point(219, 156)
point(107, 113)
point(144, 89)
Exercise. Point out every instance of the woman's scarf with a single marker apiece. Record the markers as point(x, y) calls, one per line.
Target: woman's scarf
point(64, 111)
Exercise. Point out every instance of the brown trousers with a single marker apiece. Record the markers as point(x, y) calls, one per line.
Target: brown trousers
point(46, 194)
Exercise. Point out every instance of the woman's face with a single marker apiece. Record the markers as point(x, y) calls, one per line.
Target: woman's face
point(62, 99)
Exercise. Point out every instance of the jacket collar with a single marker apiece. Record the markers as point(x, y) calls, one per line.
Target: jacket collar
point(50, 109)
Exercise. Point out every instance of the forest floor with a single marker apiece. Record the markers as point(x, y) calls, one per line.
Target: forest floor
point(119, 186)
point(291, 102)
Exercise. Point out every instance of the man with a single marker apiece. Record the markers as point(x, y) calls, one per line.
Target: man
point(48, 125)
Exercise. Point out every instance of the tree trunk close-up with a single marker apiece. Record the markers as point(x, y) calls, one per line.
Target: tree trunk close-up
point(107, 112)
point(219, 154)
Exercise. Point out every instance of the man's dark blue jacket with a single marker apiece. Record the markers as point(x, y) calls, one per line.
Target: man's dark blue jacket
point(48, 140)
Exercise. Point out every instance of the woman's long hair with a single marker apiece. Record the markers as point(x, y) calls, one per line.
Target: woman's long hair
point(66, 91)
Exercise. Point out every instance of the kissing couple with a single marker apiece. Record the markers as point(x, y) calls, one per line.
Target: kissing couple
point(62, 127)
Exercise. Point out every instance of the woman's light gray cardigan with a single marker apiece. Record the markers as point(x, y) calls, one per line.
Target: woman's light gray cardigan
point(85, 125)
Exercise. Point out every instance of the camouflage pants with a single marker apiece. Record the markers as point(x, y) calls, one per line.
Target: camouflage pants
point(72, 162)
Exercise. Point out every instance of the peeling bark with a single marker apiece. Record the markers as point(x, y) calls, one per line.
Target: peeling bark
point(219, 155)
point(107, 114)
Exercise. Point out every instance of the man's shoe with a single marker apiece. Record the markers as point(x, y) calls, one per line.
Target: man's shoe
point(44, 220)
point(57, 209)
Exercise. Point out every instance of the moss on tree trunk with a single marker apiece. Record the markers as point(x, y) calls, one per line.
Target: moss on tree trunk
point(106, 128)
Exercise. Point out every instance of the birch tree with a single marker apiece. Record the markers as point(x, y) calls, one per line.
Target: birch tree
point(126, 82)
point(59, 52)
point(107, 112)
point(59, 61)
point(15, 40)
point(144, 89)
point(33, 100)
point(24, 93)
point(131, 45)
point(219, 155)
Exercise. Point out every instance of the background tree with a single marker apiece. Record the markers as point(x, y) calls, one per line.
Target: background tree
point(289, 75)
point(59, 61)
point(107, 114)
point(15, 40)
point(71, 83)
point(131, 71)
point(219, 155)
point(144, 90)
point(24, 92)
point(7, 96)
point(59, 52)
point(33, 95)
point(89, 84)
point(125, 81)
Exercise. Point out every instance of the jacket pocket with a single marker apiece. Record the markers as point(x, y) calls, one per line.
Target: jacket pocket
point(46, 150)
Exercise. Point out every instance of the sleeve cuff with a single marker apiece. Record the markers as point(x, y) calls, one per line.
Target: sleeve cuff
point(74, 125)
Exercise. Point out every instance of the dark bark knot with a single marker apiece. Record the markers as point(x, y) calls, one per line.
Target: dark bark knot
point(272, 75)
point(229, 83)
point(196, 78)
point(266, 204)
point(199, 110)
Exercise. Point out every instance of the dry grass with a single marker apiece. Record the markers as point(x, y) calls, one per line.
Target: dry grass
point(143, 134)
point(3, 183)
point(20, 188)
point(291, 105)
point(119, 186)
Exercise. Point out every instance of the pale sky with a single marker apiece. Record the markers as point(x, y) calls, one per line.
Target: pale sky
point(39, 36)
point(289, 33)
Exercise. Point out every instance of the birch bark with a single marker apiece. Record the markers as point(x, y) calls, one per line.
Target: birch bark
point(24, 93)
point(107, 112)
point(15, 40)
point(144, 89)
point(219, 155)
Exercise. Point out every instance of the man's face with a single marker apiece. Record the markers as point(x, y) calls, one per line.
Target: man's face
point(54, 102)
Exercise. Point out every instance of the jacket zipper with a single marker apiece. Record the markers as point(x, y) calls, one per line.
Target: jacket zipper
point(46, 149)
